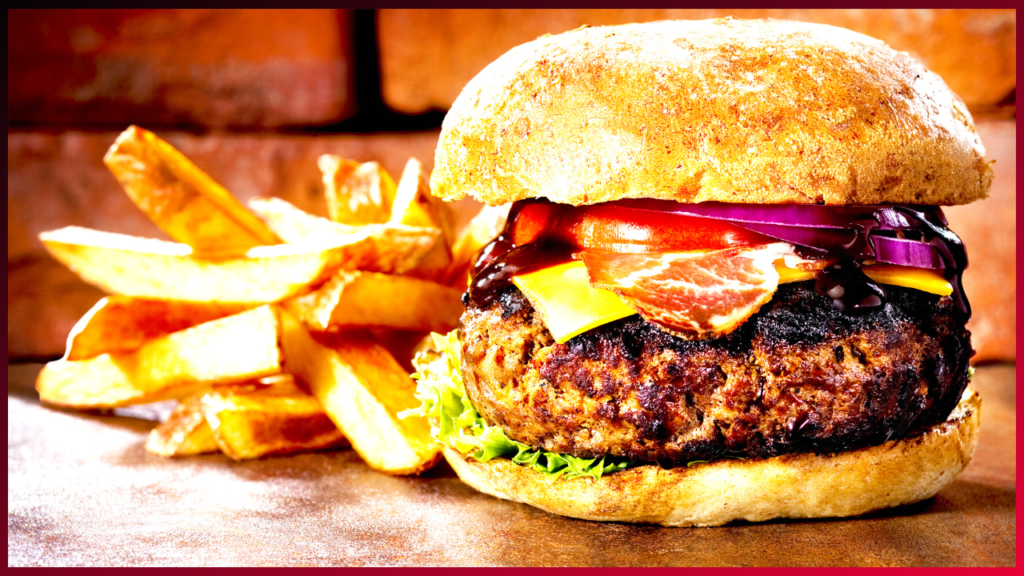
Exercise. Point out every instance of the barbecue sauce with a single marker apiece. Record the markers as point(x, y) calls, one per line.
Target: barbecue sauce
point(499, 261)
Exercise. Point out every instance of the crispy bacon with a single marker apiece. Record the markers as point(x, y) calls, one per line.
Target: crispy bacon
point(691, 294)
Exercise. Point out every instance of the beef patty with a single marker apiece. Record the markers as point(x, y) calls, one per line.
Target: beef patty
point(798, 376)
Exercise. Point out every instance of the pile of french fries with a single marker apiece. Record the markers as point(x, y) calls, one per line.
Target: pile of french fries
point(261, 321)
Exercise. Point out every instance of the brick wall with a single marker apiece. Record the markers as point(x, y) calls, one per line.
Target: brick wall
point(254, 96)
point(428, 55)
point(208, 68)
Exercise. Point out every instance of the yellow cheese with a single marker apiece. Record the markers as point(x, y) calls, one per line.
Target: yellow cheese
point(787, 274)
point(569, 305)
point(907, 277)
point(921, 279)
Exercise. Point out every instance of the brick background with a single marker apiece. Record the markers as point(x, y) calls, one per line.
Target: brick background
point(427, 56)
point(179, 67)
point(253, 97)
point(989, 231)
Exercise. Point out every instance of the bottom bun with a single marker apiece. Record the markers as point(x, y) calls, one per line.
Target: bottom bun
point(790, 486)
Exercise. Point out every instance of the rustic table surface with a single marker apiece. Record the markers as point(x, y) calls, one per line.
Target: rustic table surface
point(83, 491)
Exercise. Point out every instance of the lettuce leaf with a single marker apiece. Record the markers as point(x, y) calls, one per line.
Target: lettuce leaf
point(456, 423)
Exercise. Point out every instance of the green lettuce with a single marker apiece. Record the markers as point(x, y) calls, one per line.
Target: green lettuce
point(456, 423)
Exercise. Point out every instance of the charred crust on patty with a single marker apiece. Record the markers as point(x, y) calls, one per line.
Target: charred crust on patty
point(798, 376)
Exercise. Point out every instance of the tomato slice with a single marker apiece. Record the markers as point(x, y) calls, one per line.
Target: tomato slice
point(611, 228)
point(534, 219)
point(630, 231)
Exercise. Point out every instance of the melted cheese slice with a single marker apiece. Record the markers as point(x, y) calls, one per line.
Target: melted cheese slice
point(570, 306)
point(787, 274)
point(921, 279)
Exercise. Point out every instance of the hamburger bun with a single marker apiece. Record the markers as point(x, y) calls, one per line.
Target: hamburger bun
point(710, 494)
point(759, 111)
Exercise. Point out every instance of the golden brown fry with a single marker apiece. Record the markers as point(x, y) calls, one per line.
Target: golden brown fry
point(415, 206)
point(273, 416)
point(181, 199)
point(478, 233)
point(383, 300)
point(363, 389)
point(185, 433)
point(393, 248)
point(231, 349)
point(119, 324)
point(149, 268)
point(356, 193)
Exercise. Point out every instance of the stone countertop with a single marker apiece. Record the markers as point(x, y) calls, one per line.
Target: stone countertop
point(83, 491)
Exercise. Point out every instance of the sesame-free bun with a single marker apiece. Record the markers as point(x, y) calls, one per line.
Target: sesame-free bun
point(791, 486)
point(753, 111)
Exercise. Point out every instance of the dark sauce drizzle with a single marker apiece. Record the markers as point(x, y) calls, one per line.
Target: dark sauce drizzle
point(499, 261)
point(852, 291)
point(844, 282)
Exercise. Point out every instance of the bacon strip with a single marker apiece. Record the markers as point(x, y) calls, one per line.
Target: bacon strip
point(691, 294)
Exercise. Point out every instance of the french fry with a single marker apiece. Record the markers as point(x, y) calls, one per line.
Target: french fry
point(356, 193)
point(415, 206)
point(382, 300)
point(119, 324)
point(148, 268)
point(362, 388)
point(390, 247)
point(181, 199)
point(487, 224)
point(195, 319)
point(231, 349)
point(274, 416)
point(184, 433)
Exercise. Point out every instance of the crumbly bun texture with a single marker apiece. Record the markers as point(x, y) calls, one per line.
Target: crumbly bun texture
point(792, 486)
point(748, 111)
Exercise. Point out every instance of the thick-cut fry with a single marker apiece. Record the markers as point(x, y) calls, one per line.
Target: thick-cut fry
point(149, 268)
point(481, 229)
point(184, 433)
point(382, 300)
point(392, 248)
point(119, 324)
point(363, 389)
point(181, 199)
point(273, 416)
point(356, 193)
point(231, 349)
point(194, 320)
point(415, 206)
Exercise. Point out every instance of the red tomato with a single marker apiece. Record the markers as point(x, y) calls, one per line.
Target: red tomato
point(533, 220)
point(611, 228)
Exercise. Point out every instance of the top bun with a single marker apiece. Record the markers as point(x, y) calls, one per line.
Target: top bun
point(754, 111)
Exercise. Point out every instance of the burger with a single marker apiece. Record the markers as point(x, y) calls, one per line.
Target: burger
point(724, 289)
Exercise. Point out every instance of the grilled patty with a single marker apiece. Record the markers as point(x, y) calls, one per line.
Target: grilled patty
point(798, 376)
